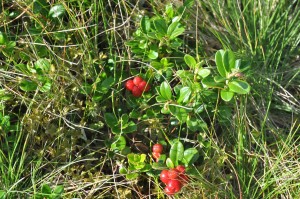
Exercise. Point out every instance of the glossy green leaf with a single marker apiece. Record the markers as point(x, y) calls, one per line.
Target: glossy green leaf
point(161, 26)
point(219, 79)
point(169, 10)
point(203, 72)
point(237, 64)
point(238, 86)
point(46, 189)
point(190, 61)
point(119, 143)
point(58, 189)
point(27, 85)
point(165, 91)
point(40, 7)
point(132, 176)
point(43, 65)
point(2, 194)
point(122, 170)
point(57, 11)
point(130, 127)
point(219, 62)
point(176, 152)
point(210, 82)
point(191, 155)
point(174, 30)
point(46, 86)
point(196, 124)
point(169, 163)
point(180, 113)
point(226, 95)
point(184, 96)
point(153, 54)
point(3, 38)
point(110, 119)
point(145, 24)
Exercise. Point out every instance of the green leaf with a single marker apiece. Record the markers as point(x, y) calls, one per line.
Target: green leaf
point(225, 60)
point(27, 85)
point(191, 155)
point(240, 87)
point(176, 152)
point(58, 189)
point(57, 11)
point(237, 64)
point(132, 176)
point(160, 26)
point(2, 194)
point(184, 96)
point(219, 79)
point(180, 113)
point(226, 95)
point(110, 119)
point(210, 82)
point(122, 170)
point(203, 72)
point(145, 24)
point(190, 61)
point(165, 91)
point(195, 124)
point(169, 10)
point(3, 38)
point(219, 62)
point(42, 65)
point(130, 127)
point(175, 30)
point(46, 86)
point(152, 54)
point(46, 189)
point(119, 143)
point(188, 3)
point(169, 163)
point(40, 7)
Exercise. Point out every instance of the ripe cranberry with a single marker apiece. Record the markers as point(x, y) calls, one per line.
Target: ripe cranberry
point(158, 148)
point(136, 92)
point(169, 191)
point(181, 168)
point(183, 179)
point(164, 176)
point(156, 156)
point(129, 85)
point(174, 185)
point(173, 174)
point(143, 86)
point(137, 80)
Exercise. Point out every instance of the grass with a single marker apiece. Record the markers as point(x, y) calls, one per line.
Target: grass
point(60, 137)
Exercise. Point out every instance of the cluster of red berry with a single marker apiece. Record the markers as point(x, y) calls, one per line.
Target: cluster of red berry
point(174, 179)
point(137, 86)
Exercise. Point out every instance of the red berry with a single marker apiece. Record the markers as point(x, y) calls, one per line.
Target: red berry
point(164, 176)
point(173, 174)
point(181, 168)
point(183, 179)
point(129, 85)
point(143, 86)
point(137, 80)
point(156, 156)
point(174, 185)
point(168, 191)
point(158, 148)
point(136, 92)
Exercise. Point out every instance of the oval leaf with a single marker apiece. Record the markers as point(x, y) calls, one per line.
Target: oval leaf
point(165, 91)
point(240, 87)
point(27, 85)
point(145, 23)
point(219, 62)
point(226, 95)
point(190, 61)
point(204, 72)
point(184, 96)
point(176, 152)
point(57, 11)
point(190, 156)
